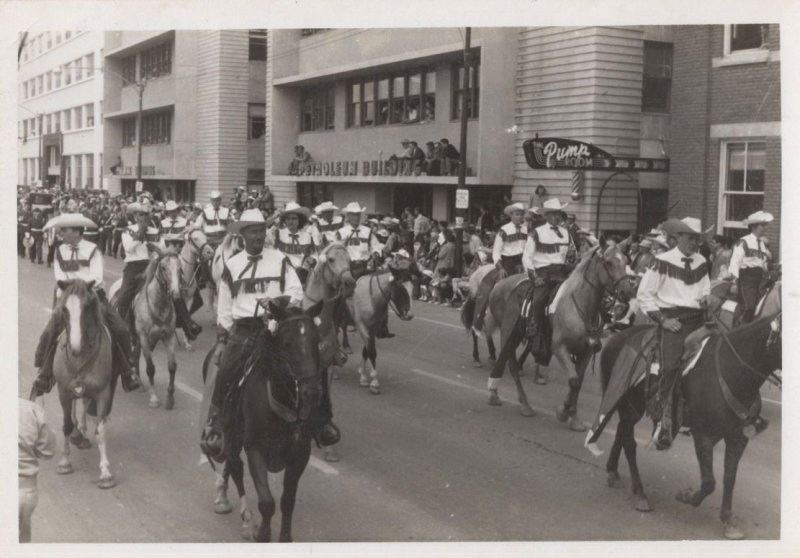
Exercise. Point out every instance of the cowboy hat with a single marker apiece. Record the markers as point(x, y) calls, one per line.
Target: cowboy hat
point(325, 206)
point(294, 208)
point(553, 205)
point(390, 222)
point(509, 209)
point(249, 218)
point(137, 207)
point(215, 195)
point(171, 206)
point(535, 210)
point(353, 207)
point(69, 220)
point(759, 217)
point(403, 253)
point(687, 225)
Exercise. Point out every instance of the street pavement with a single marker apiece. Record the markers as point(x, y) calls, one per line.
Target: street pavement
point(427, 460)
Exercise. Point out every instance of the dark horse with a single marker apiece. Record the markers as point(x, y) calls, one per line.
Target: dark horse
point(721, 393)
point(273, 418)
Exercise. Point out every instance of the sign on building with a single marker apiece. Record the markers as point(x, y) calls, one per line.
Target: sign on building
point(569, 154)
point(462, 198)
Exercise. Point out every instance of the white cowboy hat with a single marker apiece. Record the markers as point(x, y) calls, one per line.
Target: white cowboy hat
point(403, 253)
point(390, 222)
point(294, 208)
point(687, 225)
point(553, 205)
point(535, 210)
point(759, 217)
point(646, 243)
point(137, 207)
point(171, 206)
point(353, 207)
point(70, 220)
point(215, 195)
point(509, 209)
point(325, 206)
point(249, 218)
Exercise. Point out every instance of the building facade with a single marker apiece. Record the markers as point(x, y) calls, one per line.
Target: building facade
point(59, 111)
point(202, 99)
point(726, 125)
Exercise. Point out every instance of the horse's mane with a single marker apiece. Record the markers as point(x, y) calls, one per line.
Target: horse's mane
point(227, 242)
point(577, 274)
point(80, 289)
point(151, 270)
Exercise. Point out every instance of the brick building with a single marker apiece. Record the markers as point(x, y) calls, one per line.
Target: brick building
point(725, 125)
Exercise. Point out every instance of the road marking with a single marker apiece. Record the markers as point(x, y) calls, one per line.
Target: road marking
point(439, 323)
point(314, 461)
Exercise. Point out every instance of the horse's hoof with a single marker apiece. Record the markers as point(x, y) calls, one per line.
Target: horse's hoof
point(541, 380)
point(477, 364)
point(285, 538)
point(576, 425)
point(494, 399)
point(363, 383)
point(732, 532)
point(80, 441)
point(614, 481)
point(64, 468)
point(106, 483)
point(143, 388)
point(170, 404)
point(331, 455)
point(374, 390)
point(526, 411)
point(348, 350)
point(686, 497)
point(222, 507)
point(561, 414)
point(154, 403)
point(642, 504)
point(249, 533)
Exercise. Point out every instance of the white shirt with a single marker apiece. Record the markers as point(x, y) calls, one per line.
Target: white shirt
point(244, 283)
point(360, 242)
point(296, 248)
point(324, 232)
point(173, 226)
point(749, 251)
point(510, 240)
point(667, 284)
point(134, 249)
point(85, 263)
point(214, 222)
point(544, 247)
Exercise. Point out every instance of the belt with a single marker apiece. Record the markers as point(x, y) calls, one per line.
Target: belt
point(249, 324)
point(682, 313)
point(514, 257)
point(751, 271)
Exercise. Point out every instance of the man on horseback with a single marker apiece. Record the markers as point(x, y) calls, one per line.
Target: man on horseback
point(749, 263)
point(214, 219)
point(138, 240)
point(548, 251)
point(292, 238)
point(77, 258)
point(509, 244)
point(250, 280)
point(674, 292)
point(173, 224)
point(323, 231)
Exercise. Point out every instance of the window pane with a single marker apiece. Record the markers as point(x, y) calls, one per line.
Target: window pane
point(756, 166)
point(736, 166)
point(89, 65)
point(742, 205)
point(745, 37)
point(369, 91)
point(383, 89)
point(258, 44)
point(369, 113)
point(355, 92)
point(414, 84)
point(430, 82)
point(383, 102)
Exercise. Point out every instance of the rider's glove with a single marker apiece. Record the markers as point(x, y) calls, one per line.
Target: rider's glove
point(222, 335)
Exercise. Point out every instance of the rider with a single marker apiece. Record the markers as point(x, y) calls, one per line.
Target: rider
point(749, 262)
point(324, 230)
point(172, 223)
point(674, 292)
point(77, 258)
point(293, 239)
point(509, 243)
point(361, 243)
point(547, 251)
point(214, 219)
point(250, 279)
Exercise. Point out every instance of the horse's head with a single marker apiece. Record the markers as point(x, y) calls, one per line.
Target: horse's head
point(166, 269)
point(615, 278)
point(198, 242)
point(333, 266)
point(296, 342)
point(400, 289)
point(78, 310)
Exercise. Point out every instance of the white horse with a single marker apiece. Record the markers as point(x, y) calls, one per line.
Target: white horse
point(195, 253)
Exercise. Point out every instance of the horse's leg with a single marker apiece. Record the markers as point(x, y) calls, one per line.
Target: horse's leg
point(374, 385)
point(490, 345)
point(296, 462)
point(79, 437)
point(257, 463)
point(735, 445)
point(221, 503)
point(476, 357)
point(235, 466)
point(331, 454)
point(631, 410)
point(183, 341)
point(568, 412)
point(106, 479)
point(64, 465)
point(704, 449)
point(147, 349)
point(172, 366)
point(612, 465)
point(514, 339)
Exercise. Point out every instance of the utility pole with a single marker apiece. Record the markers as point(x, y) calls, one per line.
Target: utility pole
point(140, 87)
point(462, 168)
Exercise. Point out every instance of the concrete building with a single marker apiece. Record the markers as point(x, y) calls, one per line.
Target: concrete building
point(202, 97)
point(59, 112)
point(726, 125)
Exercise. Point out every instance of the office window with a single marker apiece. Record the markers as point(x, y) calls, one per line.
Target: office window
point(40, 84)
point(48, 81)
point(25, 128)
point(744, 166)
point(49, 120)
point(76, 64)
point(747, 37)
point(67, 120)
point(89, 110)
point(412, 104)
point(258, 44)
point(57, 79)
point(157, 61)
point(382, 106)
point(128, 69)
point(317, 108)
point(49, 40)
point(429, 111)
point(157, 128)
point(67, 73)
point(657, 78)
point(90, 170)
point(474, 88)
point(58, 37)
point(89, 64)
point(78, 171)
point(78, 122)
point(257, 121)
point(25, 90)
point(398, 99)
point(68, 34)
point(129, 132)
point(354, 107)
point(66, 163)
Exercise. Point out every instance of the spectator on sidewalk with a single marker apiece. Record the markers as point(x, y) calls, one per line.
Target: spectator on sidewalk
point(35, 441)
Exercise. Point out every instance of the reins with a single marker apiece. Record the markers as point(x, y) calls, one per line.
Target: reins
point(770, 377)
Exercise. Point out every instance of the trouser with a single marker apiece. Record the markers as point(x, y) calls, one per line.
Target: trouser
point(358, 268)
point(511, 265)
point(117, 242)
point(51, 251)
point(20, 244)
point(28, 498)
point(540, 297)
point(750, 279)
point(36, 247)
point(239, 346)
point(131, 282)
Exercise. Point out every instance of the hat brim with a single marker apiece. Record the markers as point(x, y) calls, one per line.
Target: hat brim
point(70, 221)
point(674, 227)
point(238, 226)
point(512, 208)
point(299, 211)
point(348, 211)
point(554, 209)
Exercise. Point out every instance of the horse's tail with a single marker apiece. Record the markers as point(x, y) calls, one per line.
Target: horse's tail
point(468, 313)
point(611, 352)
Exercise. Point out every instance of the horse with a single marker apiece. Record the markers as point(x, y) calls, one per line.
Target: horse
point(573, 320)
point(229, 247)
point(83, 371)
point(281, 388)
point(195, 255)
point(468, 316)
point(722, 392)
point(374, 293)
point(154, 319)
point(330, 281)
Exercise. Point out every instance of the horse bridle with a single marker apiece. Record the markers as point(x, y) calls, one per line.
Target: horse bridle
point(387, 295)
point(614, 289)
point(337, 277)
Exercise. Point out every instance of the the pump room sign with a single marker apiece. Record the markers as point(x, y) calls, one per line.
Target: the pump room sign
point(568, 154)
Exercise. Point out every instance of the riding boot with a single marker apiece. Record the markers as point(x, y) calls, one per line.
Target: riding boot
point(197, 302)
point(663, 437)
point(189, 326)
point(211, 441)
point(325, 432)
point(45, 380)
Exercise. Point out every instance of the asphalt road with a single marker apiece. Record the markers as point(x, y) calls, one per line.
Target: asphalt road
point(427, 460)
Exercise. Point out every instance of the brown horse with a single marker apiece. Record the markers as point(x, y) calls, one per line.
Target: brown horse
point(573, 320)
point(83, 371)
point(722, 394)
